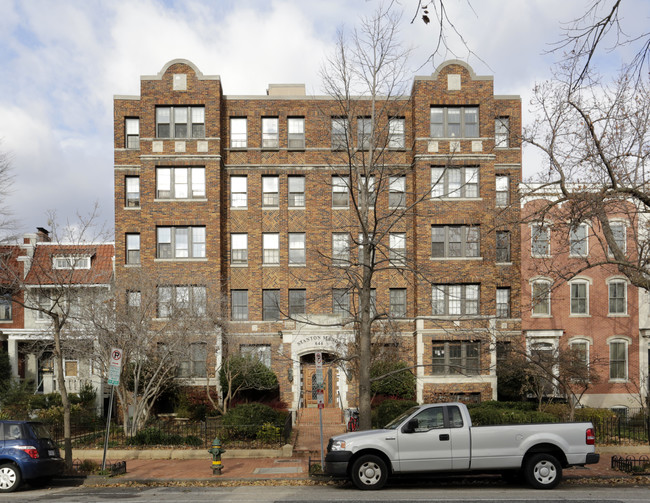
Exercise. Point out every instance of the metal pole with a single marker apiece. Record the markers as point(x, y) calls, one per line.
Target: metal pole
point(322, 457)
point(108, 427)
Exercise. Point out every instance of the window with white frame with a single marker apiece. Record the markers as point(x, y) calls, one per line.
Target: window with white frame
point(270, 132)
point(239, 305)
point(502, 132)
point(270, 248)
point(259, 352)
point(540, 245)
point(180, 242)
point(367, 193)
point(618, 360)
point(132, 132)
point(397, 192)
point(270, 191)
point(71, 262)
point(461, 182)
point(195, 366)
point(579, 240)
point(340, 301)
point(44, 304)
point(5, 307)
point(239, 249)
point(617, 296)
point(296, 191)
point(455, 241)
point(297, 248)
point(503, 247)
point(238, 132)
point(544, 356)
point(270, 305)
point(397, 308)
point(455, 300)
point(133, 249)
point(296, 133)
point(180, 122)
point(340, 249)
point(619, 232)
point(364, 132)
point(503, 302)
point(458, 357)
point(177, 299)
point(132, 191)
point(297, 301)
point(133, 301)
point(340, 192)
point(180, 183)
point(502, 190)
point(580, 356)
point(541, 297)
point(454, 122)
point(397, 248)
point(579, 297)
point(396, 132)
point(238, 192)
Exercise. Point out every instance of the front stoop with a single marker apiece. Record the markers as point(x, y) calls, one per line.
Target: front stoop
point(308, 430)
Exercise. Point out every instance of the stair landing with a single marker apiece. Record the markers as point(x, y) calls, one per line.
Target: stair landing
point(308, 429)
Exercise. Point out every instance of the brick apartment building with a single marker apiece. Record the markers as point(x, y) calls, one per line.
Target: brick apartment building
point(239, 201)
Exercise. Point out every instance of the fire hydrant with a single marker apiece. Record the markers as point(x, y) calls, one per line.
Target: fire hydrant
point(216, 452)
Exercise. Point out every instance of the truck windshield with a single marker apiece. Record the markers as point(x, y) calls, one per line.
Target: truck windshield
point(399, 419)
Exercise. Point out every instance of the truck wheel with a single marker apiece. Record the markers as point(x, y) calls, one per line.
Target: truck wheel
point(9, 478)
point(543, 471)
point(369, 473)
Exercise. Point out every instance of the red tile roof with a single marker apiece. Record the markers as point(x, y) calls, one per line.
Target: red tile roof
point(43, 273)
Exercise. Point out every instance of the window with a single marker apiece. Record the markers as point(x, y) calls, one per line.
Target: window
point(180, 242)
point(133, 249)
point(502, 132)
point(297, 302)
point(397, 248)
point(454, 122)
point(296, 248)
point(579, 241)
point(132, 192)
point(5, 307)
point(579, 297)
point(259, 352)
point(44, 304)
point(238, 132)
point(455, 299)
point(367, 194)
point(398, 302)
point(70, 368)
point(618, 360)
point(502, 190)
point(452, 241)
point(364, 132)
point(239, 249)
point(132, 132)
point(619, 232)
point(176, 299)
point(270, 305)
point(456, 358)
point(180, 122)
point(617, 297)
point(133, 301)
point(340, 192)
point(296, 191)
point(454, 182)
point(503, 246)
point(238, 192)
point(180, 183)
point(541, 298)
point(239, 305)
point(397, 192)
point(544, 356)
point(503, 303)
point(270, 191)
point(296, 128)
point(339, 133)
point(540, 241)
point(196, 365)
point(396, 132)
point(340, 249)
point(271, 248)
point(71, 262)
point(580, 358)
point(270, 134)
point(361, 244)
point(340, 301)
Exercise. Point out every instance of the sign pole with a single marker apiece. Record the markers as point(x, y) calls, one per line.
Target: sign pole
point(114, 370)
point(321, 401)
point(108, 427)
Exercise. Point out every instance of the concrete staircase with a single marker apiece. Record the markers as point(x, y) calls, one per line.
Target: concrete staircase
point(308, 430)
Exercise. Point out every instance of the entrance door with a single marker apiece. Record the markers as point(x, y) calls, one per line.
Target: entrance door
point(310, 389)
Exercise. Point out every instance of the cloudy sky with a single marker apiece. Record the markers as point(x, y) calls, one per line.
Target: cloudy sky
point(62, 61)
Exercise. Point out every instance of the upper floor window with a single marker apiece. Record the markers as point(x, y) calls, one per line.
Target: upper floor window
point(396, 132)
point(239, 305)
point(296, 133)
point(132, 132)
point(340, 301)
point(502, 132)
point(540, 240)
point(257, 352)
point(180, 242)
point(503, 246)
point(238, 192)
point(454, 182)
point(456, 358)
point(340, 192)
point(397, 192)
point(502, 190)
point(503, 303)
point(339, 133)
point(340, 249)
point(454, 122)
point(270, 305)
point(132, 195)
point(541, 291)
point(5, 307)
point(297, 302)
point(195, 366)
point(271, 248)
point(270, 191)
point(238, 132)
point(579, 240)
point(180, 183)
point(617, 296)
point(71, 262)
point(397, 302)
point(455, 299)
point(620, 238)
point(451, 241)
point(364, 132)
point(178, 299)
point(367, 193)
point(296, 191)
point(397, 249)
point(618, 359)
point(270, 132)
point(180, 122)
point(133, 301)
point(579, 297)
point(239, 249)
point(133, 249)
point(296, 248)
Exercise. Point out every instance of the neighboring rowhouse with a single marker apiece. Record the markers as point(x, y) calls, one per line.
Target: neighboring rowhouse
point(238, 202)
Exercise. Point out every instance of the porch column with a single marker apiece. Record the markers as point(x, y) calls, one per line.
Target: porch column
point(12, 350)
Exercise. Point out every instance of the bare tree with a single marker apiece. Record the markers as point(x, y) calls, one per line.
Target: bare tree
point(7, 222)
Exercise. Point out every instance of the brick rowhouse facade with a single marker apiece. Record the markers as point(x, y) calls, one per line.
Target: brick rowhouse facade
point(260, 194)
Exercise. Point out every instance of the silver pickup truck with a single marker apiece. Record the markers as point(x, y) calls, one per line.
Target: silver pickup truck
point(440, 438)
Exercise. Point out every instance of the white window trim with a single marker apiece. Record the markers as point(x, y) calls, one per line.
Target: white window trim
point(624, 280)
point(547, 225)
point(627, 340)
point(586, 254)
point(532, 281)
point(584, 280)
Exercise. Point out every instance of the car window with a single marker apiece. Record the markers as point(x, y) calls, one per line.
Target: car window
point(13, 431)
point(40, 430)
point(455, 417)
point(398, 420)
point(429, 419)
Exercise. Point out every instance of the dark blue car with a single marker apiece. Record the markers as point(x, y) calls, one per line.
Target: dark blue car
point(27, 453)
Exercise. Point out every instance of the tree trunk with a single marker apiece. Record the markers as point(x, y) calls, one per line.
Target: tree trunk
point(67, 431)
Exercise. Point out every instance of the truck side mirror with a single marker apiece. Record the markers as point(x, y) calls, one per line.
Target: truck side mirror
point(411, 426)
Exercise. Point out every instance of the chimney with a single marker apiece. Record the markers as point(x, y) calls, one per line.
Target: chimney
point(43, 235)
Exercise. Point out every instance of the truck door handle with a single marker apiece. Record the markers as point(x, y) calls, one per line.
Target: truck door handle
point(444, 436)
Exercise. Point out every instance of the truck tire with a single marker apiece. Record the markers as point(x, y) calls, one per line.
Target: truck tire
point(369, 473)
point(543, 471)
point(10, 478)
